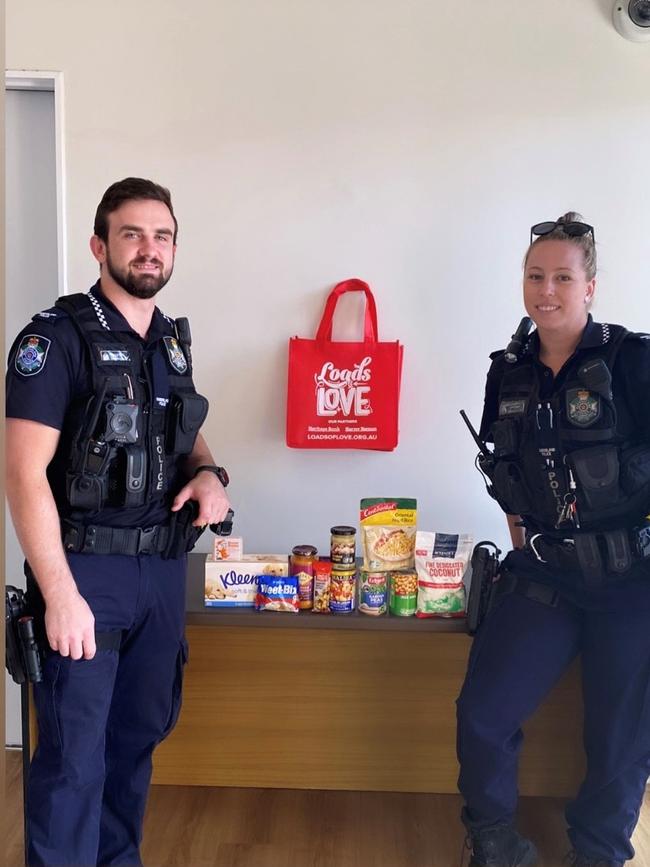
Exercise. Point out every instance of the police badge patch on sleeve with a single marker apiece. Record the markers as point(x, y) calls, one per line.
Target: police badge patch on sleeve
point(32, 354)
point(175, 353)
point(583, 407)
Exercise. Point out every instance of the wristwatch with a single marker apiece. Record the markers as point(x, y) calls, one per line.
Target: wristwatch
point(219, 472)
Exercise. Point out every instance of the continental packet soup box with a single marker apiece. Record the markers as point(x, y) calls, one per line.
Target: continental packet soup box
point(230, 583)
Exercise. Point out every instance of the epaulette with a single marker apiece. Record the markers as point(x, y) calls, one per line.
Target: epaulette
point(496, 354)
point(171, 322)
point(52, 314)
point(638, 335)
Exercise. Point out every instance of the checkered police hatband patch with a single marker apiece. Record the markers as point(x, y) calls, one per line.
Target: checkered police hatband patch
point(97, 307)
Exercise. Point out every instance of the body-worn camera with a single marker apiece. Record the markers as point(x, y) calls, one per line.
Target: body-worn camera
point(121, 421)
point(505, 435)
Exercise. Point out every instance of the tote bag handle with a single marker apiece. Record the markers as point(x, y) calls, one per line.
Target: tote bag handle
point(370, 335)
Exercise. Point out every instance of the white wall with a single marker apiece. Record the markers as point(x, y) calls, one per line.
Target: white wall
point(409, 143)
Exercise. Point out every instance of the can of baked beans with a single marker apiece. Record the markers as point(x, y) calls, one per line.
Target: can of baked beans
point(342, 590)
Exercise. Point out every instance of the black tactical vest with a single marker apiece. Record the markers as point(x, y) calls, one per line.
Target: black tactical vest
point(560, 462)
point(126, 441)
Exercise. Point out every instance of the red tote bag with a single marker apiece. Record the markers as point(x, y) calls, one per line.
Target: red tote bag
point(344, 395)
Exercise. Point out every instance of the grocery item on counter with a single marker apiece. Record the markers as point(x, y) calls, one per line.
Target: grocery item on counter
point(234, 584)
point(342, 590)
point(277, 594)
point(228, 548)
point(388, 529)
point(301, 566)
point(441, 560)
point(322, 582)
point(373, 592)
point(403, 592)
point(343, 546)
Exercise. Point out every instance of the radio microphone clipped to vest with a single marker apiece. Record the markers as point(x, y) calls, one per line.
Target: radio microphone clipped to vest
point(597, 377)
point(514, 348)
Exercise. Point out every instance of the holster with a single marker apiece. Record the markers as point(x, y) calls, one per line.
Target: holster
point(183, 536)
point(485, 566)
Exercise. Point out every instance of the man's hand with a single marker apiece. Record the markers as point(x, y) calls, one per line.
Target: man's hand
point(70, 625)
point(211, 496)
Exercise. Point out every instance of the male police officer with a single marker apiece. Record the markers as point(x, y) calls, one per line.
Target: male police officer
point(104, 464)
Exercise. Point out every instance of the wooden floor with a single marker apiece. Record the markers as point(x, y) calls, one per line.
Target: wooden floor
point(209, 827)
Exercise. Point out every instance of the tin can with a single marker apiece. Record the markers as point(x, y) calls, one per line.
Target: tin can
point(403, 593)
point(322, 582)
point(373, 592)
point(302, 567)
point(342, 588)
point(342, 547)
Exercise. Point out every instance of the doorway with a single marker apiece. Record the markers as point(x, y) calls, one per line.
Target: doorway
point(35, 247)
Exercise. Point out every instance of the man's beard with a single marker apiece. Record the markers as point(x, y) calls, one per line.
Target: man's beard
point(139, 285)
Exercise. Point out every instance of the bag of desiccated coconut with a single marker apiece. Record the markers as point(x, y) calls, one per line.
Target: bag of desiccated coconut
point(441, 560)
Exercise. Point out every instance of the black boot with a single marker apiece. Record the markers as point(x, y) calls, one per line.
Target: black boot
point(501, 846)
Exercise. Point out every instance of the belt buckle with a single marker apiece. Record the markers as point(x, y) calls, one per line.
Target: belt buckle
point(145, 540)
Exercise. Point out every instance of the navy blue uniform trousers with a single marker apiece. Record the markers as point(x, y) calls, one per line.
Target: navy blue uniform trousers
point(100, 719)
point(519, 653)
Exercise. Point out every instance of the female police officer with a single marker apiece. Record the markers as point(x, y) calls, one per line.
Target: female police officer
point(570, 424)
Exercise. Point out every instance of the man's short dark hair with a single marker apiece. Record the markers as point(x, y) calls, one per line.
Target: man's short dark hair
point(130, 189)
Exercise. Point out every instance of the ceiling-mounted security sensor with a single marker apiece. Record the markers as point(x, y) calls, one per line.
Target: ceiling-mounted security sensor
point(632, 19)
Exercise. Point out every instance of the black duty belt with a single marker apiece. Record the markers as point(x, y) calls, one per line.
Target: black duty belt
point(95, 539)
point(508, 582)
point(592, 554)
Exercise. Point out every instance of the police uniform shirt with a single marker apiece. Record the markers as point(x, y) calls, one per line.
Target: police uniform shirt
point(630, 389)
point(630, 380)
point(49, 372)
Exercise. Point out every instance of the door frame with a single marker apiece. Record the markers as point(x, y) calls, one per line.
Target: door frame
point(44, 80)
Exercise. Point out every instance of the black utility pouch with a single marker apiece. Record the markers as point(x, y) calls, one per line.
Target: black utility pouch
point(635, 469)
point(505, 435)
point(187, 412)
point(513, 493)
point(86, 491)
point(596, 472)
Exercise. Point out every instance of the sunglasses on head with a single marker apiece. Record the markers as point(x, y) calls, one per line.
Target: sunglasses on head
point(572, 229)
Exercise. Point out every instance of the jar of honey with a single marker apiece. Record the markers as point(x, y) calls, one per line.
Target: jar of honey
point(301, 565)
